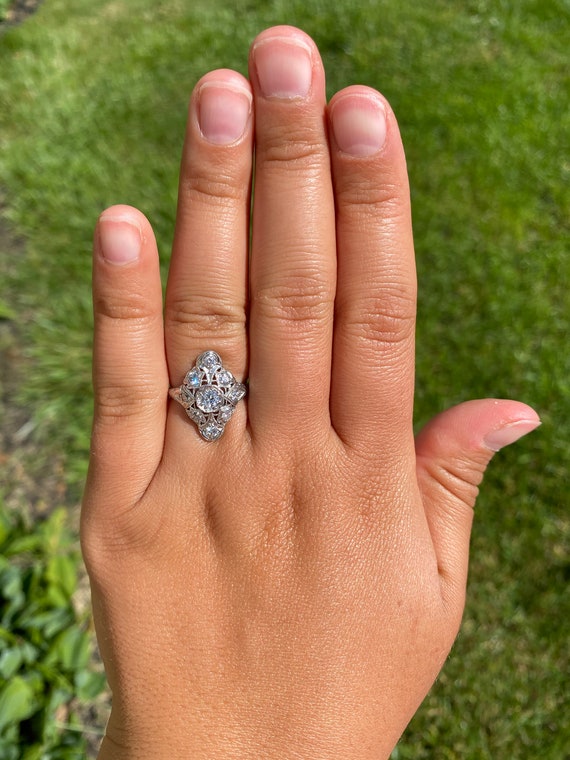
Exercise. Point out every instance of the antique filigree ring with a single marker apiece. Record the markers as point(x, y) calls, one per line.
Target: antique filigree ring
point(209, 394)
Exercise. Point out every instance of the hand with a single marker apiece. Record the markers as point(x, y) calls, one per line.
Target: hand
point(293, 589)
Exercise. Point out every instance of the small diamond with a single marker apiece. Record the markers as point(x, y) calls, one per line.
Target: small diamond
point(209, 399)
point(192, 379)
point(179, 395)
point(211, 431)
point(226, 412)
point(236, 393)
point(186, 395)
point(223, 377)
point(208, 361)
point(196, 415)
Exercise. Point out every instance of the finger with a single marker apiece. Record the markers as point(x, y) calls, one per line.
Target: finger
point(452, 453)
point(293, 268)
point(373, 355)
point(129, 366)
point(207, 284)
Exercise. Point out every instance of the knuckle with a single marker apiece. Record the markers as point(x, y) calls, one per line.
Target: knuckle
point(459, 479)
point(282, 148)
point(206, 317)
point(120, 403)
point(219, 189)
point(365, 192)
point(363, 202)
point(387, 319)
point(302, 298)
point(120, 307)
point(119, 542)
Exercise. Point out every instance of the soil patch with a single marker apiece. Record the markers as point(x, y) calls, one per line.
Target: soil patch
point(18, 11)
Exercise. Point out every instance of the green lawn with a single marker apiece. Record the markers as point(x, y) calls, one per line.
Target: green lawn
point(92, 107)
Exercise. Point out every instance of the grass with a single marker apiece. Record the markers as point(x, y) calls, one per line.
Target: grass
point(92, 106)
point(45, 645)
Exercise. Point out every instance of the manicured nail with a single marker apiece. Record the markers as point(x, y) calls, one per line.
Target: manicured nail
point(498, 439)
point(223, 112)
point(120, 240)
point(359, 124)
point(284, 67)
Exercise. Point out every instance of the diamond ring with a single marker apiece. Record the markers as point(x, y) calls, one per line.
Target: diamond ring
point(209, 394)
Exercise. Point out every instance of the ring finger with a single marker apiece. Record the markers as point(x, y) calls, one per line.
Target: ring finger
point(206, 296)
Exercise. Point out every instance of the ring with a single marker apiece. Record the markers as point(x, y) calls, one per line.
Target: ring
point(209, 394)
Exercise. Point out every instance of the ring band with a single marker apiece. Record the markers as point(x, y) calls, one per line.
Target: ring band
point(209, 394)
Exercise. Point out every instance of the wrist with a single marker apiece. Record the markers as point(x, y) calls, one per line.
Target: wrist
point(269, 741)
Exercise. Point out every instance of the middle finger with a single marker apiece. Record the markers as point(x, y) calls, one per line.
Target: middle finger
point(293, 264)
point(206, 296)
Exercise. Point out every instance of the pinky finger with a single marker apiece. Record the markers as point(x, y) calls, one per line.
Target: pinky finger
point(130, 376)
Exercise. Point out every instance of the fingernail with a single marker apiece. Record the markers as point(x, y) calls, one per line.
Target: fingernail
point(284, 67)
point(119, 239)
point(223, 111)
point(498, 439)
point(359, 124)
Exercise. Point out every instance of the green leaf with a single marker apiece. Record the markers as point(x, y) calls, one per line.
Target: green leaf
point(61, 571)
point(17, 702)
point(56, 597)
point(6, 312)
point(10, 661)
point(29, 652)
point(23, 545)
point(33, 753)
point(11, 583)
point(76, 752)
point(71, 650)
point(89, 685)
point(58, 697)
point(9, 750)
point(35, 681)
point(5, 528)
point(53, 530)
point(48, 623)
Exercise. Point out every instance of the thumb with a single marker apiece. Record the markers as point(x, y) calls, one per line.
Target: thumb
point(452, 454)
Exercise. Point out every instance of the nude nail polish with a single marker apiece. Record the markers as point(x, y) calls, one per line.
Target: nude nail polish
point(284, 67)
point(498, 439)
point(119, 240)
point(359, 124)
point(223, 112)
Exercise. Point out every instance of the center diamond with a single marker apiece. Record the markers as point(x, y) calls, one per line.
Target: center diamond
point(209, 399)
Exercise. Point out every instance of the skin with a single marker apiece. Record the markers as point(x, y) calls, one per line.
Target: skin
point(293, 589)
